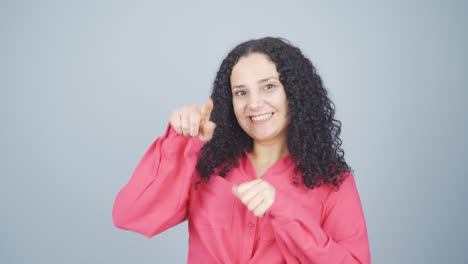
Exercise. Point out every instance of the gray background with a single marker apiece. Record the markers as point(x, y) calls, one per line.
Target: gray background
point(86, 86)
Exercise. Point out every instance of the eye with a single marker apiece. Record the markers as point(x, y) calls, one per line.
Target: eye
point(239, 93)
point(270, 86)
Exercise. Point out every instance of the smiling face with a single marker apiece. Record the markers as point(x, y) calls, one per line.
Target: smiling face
point(259, 99)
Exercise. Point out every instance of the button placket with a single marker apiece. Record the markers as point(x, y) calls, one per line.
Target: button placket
point(251, 233)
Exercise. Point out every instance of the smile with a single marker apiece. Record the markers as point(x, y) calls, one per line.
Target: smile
point(261, 117)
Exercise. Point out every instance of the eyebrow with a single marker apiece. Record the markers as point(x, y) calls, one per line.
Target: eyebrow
point(259, 81)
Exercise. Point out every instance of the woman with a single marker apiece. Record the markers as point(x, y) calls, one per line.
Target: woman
point(257, 170)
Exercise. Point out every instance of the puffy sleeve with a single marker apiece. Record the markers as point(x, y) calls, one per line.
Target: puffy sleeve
point(339, 237)
point(156, 196)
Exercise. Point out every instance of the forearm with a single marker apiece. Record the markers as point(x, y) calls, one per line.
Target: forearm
point(338, 235)
point(155, 197)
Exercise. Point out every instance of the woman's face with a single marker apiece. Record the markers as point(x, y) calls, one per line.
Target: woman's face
point(259, 99)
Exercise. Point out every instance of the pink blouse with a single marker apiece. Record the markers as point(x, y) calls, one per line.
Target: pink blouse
point(302, 226)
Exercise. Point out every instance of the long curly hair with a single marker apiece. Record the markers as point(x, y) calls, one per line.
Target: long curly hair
point(312, 133)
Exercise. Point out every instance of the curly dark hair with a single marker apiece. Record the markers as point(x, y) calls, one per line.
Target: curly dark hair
point(312, 134)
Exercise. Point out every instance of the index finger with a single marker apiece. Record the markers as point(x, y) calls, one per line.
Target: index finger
point(206, 109)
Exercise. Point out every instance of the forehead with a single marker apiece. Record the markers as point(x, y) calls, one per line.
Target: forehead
point(253, 67)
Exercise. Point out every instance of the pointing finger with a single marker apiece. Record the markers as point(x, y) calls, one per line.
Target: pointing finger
point(207, 131)
point(206, 110)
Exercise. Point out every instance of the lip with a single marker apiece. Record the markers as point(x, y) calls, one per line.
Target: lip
point(268, 117)
point(267, 113)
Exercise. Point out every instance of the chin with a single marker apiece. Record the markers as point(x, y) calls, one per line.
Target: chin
point(263, 137)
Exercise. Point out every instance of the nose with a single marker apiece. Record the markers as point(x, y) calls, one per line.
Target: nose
point(256, 102)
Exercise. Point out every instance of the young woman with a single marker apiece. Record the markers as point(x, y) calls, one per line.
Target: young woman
point(257, 170)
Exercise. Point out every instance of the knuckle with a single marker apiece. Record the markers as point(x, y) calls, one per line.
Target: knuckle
point(194, 123)
point(194, 108)
point(175, 115)
point(184, 110)
point(244, 200)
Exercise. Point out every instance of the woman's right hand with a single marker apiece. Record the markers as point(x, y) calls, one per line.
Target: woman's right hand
point(194, 121)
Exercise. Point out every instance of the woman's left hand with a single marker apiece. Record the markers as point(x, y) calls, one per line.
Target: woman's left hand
point(258, 195)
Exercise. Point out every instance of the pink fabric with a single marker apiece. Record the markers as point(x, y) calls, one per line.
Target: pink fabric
point(302, 226)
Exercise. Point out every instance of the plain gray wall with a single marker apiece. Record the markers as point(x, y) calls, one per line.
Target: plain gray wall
point(86, 86)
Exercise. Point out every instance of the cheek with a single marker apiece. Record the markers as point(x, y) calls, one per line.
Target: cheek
point(281, 103)
point(284, 102)
point(237, 106)
point(283, 107)
point(279, 99)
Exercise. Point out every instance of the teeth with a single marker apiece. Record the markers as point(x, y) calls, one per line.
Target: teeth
point(261, 117)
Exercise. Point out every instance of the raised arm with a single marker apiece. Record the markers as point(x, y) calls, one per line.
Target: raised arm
point(156, 196)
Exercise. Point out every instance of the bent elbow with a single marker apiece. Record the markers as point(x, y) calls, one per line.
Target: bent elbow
point(119, 216)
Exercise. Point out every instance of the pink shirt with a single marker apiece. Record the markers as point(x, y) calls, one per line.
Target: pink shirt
point(302, 225)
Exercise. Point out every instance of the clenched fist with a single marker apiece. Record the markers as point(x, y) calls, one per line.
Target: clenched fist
point(194, 121)
point(258, 195)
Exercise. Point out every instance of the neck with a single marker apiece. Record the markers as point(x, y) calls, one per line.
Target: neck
point(268, 152)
